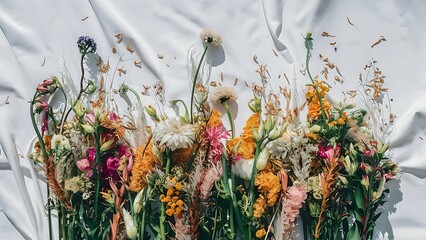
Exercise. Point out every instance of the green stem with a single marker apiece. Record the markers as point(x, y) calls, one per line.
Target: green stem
point(195, 80)
point(215, 217)
point(98, 168)
point(228, 112)
point(81, 88)
point(63, 222)
point(163, 207)
point(232, 197)
point(184, 105)
point(253, 176)
point(308, 42)
point(46, 156)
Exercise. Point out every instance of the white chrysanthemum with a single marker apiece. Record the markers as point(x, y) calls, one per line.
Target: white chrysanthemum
point(243, 168)
point(211, 37)
point(173, 134)
point(280, 147)
point(223, 94)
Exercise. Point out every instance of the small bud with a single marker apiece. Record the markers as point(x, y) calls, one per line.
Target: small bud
point(314, 129)
point(138, 202)
point(131, 229)
point(366, 168)
point(365, 182)
point(78, 109)
point(106, 145)
point(269, 124)
point(262, 160)
point(87, 128)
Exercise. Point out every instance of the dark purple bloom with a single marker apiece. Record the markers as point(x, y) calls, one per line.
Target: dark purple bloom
point(86, 45)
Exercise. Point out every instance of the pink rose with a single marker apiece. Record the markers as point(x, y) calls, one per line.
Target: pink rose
point(112, 163)
point(84, 165)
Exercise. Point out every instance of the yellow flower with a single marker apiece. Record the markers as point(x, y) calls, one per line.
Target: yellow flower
point(143, 165)
point(268, 184)
point(260, 233)
point(214, 120)
point(259, 206)
point(312, 136)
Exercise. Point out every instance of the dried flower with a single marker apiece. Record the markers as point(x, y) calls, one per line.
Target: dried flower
point(223, 94)
point(209, 36)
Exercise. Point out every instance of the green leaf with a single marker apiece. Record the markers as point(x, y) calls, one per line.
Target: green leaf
point(353, 233)
point(359, 197)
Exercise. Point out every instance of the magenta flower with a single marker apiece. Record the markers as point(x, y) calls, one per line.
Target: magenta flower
point(112, 163)
point(91, 154)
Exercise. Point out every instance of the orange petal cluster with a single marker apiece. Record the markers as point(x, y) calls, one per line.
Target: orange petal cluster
point(248, 146)
point(144, 163)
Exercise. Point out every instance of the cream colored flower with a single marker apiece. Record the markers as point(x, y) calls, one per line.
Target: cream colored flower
point(60, 142)
point(243, 168)
point(223, 94)
point(262, 159)
point(211, 37)
point(173, 134)
point(131, 229)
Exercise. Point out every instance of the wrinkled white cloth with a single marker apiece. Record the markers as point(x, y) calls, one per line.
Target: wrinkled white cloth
point(35, 35)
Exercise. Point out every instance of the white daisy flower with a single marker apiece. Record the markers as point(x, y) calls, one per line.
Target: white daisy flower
point(223, 94)
point(173, 134)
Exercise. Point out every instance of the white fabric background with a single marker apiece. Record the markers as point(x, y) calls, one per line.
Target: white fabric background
point(44, 31)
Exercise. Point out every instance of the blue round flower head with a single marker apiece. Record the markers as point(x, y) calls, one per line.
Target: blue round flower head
point(86, 45)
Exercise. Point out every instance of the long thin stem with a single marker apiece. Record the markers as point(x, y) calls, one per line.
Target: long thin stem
point(195, 81)
point(80, 92)
point(46, 156)
point(228, 112)
point(308, 43)
point(98, 168)
point(163, 207)
point(253, 176)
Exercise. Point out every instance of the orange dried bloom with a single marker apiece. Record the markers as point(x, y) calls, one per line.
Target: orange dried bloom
point(214, 120)
point(260, 233)
point(143, 165)
point(314, 110)
point(248, 146)
point(259, 206)
point(312, 136)
point(269, 184)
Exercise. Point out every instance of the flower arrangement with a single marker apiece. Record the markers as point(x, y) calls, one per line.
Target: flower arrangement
point(113, 176)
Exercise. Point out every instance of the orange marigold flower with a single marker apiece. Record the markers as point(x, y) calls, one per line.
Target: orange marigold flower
point(312, 136)
point(259, 206)
point(170, 212)
point(143, 165)
point(260, 233)
point(214, 120)
point(314, 110)
point(248, 146)
point(268, 184)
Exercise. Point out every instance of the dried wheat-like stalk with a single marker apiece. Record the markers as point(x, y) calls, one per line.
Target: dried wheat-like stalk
point(326, 187)
point(53, 183)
